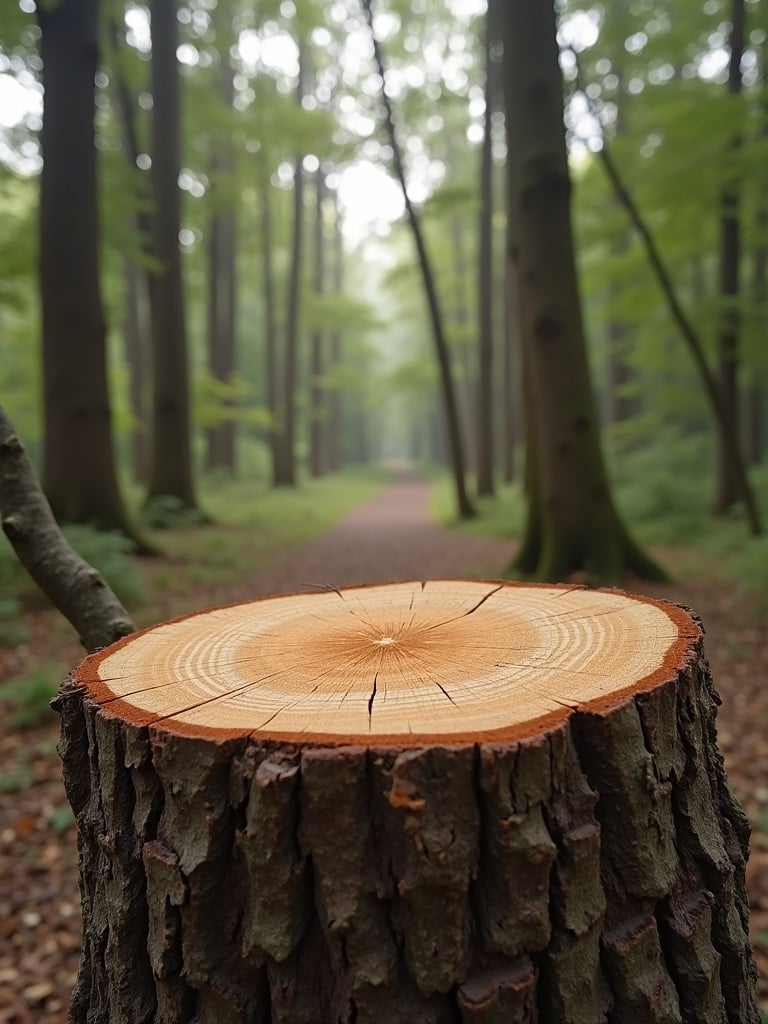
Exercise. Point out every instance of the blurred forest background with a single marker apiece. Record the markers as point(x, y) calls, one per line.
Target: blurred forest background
point(217, 335)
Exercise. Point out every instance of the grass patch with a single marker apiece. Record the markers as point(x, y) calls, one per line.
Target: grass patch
point(28, 697)
point(501, 516)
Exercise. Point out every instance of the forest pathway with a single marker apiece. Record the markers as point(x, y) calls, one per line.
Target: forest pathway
point(391, 537)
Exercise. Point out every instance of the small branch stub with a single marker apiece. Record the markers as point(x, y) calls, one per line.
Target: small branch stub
point(421, 803)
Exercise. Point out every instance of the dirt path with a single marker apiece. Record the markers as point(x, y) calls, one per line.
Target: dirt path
point(392, 537)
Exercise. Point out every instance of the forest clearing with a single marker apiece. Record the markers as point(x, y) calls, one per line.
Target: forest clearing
point(383, 411)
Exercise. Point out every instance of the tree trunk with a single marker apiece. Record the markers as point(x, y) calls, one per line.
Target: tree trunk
point(285, 467)
point(335, 420)
point(484, 429)
point(318, 421)
point(78, 458)
point(272, 374)
point(465, 351)
point(455, 445)
point(581, 531)
point(326, 819)
point(136, 352)
point(171, 472)
point(222, 313)
point(726, 483)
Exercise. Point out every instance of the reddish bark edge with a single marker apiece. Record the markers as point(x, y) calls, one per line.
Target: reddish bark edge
point(679, 654)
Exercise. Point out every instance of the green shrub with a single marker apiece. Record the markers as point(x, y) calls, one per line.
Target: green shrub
point(11, 630)
point(112, 555)
point(164, 512)
point(29, 697)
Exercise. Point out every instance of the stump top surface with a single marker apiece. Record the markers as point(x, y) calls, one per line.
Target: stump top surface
point(446, 661)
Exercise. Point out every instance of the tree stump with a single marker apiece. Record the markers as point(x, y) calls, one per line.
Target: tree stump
point(420, 803)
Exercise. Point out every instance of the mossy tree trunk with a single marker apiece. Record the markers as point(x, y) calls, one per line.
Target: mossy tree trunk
point(580, 529)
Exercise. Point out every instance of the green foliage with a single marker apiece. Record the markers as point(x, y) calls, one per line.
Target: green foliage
point(166, 512)
point(110, 553)
point(30, 696)
point(664, 487)
point(12, 631)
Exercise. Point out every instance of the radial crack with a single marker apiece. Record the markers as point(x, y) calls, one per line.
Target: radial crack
point(371, 700)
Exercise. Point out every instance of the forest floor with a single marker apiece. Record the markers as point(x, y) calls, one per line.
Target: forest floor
point(390, 536)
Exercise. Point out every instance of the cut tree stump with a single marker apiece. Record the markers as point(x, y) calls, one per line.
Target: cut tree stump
point(421, 802)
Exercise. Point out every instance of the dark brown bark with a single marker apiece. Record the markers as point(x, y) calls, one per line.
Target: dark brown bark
point(485, 405)
point(726, 482)
point(78, 458)
point(318, 403)
point(455, 446)
point(285, 463)
point(74, 587)
point(171, 471)
point(586, 874)
point(135, 333)
point(222, 267)
point(581, 531)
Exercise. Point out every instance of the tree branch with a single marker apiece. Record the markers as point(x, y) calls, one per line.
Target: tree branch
point(686, 328)
point(80, 593)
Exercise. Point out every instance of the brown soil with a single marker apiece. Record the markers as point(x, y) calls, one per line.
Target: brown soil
point(389, 538)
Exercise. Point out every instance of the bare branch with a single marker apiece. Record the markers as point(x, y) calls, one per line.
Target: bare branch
point(80, 593)
point(686, 328)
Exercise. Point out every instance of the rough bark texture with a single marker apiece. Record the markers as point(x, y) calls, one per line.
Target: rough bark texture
point(593, 873)
point(78, 460)
point(80, 593)
point(171, 471)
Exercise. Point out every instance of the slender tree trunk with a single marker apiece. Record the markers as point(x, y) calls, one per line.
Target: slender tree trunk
point(222, 313)
point(272, 374)
point(285, 464)
point(79, 474)
point(335, 419)
point(171, 471)
point(135, 333)
point(580, 528)
point(465, 352)
point(464, 505)
point(726, 484)
point(484, 430)
point(318, 424)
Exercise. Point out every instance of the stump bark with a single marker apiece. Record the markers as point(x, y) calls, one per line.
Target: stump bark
point(432, 802)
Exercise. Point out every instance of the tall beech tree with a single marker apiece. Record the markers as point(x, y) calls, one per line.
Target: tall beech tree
point(222, 255)
point(485, 440)
point(579, 529)
point(171, 458)
point(726, 482)
point(284, 428)
point(78, 459)
point(318, 425)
